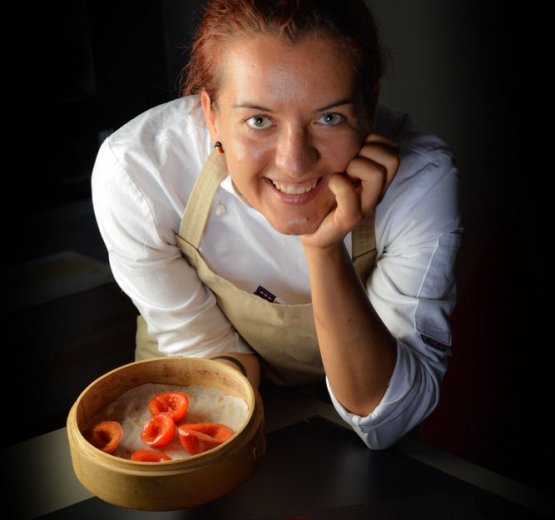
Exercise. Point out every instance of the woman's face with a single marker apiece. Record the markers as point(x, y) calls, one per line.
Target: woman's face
point(288, 116)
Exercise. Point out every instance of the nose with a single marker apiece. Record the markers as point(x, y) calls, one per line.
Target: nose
point(295, 153)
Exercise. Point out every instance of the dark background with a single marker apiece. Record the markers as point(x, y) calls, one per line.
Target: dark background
point(77, 71)
point(473, 72)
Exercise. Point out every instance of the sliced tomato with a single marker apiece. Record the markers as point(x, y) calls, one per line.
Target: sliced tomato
point(158, 431)
point(105, 435)
point(150, 456)
point(173, 402)
point(200, 437)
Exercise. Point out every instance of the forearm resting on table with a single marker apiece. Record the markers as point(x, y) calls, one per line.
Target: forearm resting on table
point(357, 350)
point(249, 361)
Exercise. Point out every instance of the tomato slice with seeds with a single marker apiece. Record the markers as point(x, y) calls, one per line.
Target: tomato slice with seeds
point(200, 437)
point(158, 431)
point(105, 435)
point(150, 456)
point(173, 402)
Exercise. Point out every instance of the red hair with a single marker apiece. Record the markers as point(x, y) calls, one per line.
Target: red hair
point(348, 21)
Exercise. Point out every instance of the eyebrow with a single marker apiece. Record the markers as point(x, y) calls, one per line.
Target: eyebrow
point(252, 106)
point(338, 103)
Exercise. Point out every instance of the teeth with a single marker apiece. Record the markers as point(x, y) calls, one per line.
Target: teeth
point(292, 189)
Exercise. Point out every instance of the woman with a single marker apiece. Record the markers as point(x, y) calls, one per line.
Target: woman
point(277, 218)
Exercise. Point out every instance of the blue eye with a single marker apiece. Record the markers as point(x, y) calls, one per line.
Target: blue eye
point(259, 122)
point(331, 118)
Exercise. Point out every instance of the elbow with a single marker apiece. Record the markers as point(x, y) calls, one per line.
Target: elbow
point(391, 421)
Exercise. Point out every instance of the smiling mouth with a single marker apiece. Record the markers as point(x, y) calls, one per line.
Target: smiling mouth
point(295, 189)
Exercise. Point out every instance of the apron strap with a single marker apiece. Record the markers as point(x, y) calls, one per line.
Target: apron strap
point(364, 237)
point(198, 206)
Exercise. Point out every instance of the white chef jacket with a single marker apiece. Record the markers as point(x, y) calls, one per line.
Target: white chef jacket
point(141, 181)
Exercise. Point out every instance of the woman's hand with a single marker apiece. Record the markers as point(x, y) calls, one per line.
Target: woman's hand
point(357, 191)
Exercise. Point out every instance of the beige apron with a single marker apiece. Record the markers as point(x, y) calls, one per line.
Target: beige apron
point(283, 335)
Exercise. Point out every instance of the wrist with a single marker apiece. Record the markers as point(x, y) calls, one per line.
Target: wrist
point(330, 253)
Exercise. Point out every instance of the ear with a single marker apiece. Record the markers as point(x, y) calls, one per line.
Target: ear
point(210, 115)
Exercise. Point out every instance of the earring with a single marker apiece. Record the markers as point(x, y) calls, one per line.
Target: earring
point(219, 147)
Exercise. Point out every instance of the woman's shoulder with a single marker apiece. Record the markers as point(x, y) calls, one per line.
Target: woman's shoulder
point(412, 138)
point(427, 180)
point(153, 160)
point(424, 155)
point(173, 129)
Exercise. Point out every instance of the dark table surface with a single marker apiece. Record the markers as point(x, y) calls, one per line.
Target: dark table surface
point(317, 470)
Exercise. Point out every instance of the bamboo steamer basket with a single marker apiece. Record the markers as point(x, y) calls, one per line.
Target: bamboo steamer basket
point(176, 484)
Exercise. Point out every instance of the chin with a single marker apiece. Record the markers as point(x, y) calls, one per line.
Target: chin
point(299, 226)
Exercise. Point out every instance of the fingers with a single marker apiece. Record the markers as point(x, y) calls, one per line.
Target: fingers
point(383, 151)
point(358, 190)
point(348, 211)
point(375, 166)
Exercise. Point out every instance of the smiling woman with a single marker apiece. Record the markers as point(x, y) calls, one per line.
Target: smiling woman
point(277, 214)
point(288, 125)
